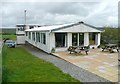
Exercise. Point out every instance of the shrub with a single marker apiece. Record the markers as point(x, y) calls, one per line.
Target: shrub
point(52, 50)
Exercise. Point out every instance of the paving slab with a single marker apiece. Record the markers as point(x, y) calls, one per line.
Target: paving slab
point(104, 64)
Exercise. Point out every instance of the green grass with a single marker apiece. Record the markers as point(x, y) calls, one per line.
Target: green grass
point(21, 66)
point(11, 36)
point(0, 67)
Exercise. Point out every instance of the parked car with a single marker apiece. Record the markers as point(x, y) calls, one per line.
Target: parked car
point(10, 43)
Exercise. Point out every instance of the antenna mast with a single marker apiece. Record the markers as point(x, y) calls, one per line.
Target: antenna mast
point(25, 16)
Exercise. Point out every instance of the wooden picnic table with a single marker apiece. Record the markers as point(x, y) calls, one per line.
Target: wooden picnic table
point(110, 47)
point(78, 49)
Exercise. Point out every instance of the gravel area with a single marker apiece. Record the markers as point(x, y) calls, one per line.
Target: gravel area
point(66, 67)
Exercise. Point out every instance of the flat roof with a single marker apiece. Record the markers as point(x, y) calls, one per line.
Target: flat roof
point(48, 28)
point(28, 24)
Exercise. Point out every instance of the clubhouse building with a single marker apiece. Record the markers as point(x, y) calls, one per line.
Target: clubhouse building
point(58, 37)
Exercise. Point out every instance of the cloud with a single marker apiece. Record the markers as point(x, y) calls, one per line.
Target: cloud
point(94, 13)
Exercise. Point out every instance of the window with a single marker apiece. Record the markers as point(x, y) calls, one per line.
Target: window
point(20, 28)
point(77, 39)
point(92, 38)
point(60, 39)
point(74, 39)
point(31, 27)
point(81, 39)
point(40, 37)
point(44, 38)
point(29, 35)
point(33, 36)
point(37, 37)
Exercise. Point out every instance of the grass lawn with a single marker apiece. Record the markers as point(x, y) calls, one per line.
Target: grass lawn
point(21, 66)
point(0, 67)
point(11, 36)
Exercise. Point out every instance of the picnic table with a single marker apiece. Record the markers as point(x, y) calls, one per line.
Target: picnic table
point(78, 49)
point(110, 47)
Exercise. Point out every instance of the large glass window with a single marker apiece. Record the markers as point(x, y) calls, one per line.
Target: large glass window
point(92, 38)
point(81, 39)
point(74, 39)
point(60, 39)
point(77, 39)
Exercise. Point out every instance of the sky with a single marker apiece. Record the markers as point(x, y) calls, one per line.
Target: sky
point(96, 13)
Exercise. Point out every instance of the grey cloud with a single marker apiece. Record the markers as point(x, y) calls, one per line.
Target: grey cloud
point(68, 8)
point(98, 14)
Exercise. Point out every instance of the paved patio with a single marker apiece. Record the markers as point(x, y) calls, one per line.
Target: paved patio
point(104, 64)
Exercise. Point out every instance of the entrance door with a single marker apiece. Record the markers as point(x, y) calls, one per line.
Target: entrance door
point(74, 39)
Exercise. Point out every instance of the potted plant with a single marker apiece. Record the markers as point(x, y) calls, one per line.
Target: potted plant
point(52, 50)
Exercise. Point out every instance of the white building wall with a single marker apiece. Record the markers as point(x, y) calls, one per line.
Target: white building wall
point(48, 42)
point(20, 39)
point(44, 47)
point(27, 27)
point(98, 39)
point(69, 39)
point(78, 39)
point(61, 49)
point(51, 41)
point(86, 39)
